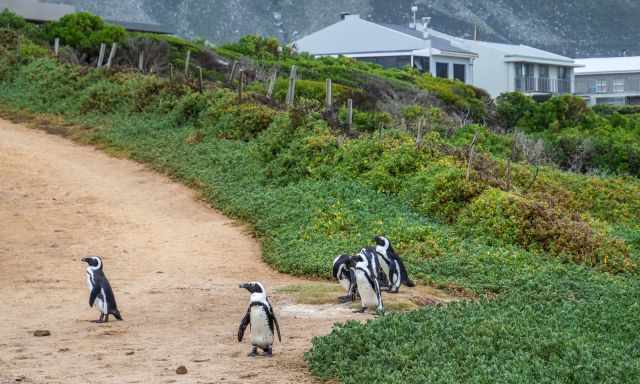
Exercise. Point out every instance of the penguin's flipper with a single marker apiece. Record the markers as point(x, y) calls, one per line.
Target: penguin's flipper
point(243, 325)
point(275, 321)
point(94, 294)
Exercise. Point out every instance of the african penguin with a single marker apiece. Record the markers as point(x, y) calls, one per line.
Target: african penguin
point(262, 319)
point(346, 277)
point(101, 292)
point(365, 266)
point(392, 265)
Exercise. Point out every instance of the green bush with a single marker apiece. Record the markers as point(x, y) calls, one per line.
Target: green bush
point(441, 191)
point(8, 39)
point(103, 96)
point(244, 122)
point(512, 107)
point(532, 224)
point(84, 31)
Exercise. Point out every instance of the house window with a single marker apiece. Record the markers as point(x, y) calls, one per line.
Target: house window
point(618, 85)
point(544, 71)
point(602, 86)
point(460, 72)
point(421, 63)
point(442, 70)
point(563, 73)
point(611, 100)
point(388, 61)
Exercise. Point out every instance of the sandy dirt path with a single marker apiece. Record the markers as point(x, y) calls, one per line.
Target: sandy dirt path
point(174, 263)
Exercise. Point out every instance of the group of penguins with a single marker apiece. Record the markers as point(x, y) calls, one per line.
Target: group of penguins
point(370, 270)
point(361, 275)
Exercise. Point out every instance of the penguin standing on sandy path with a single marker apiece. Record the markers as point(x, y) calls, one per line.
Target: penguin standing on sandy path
point(365, 265)
point(392, 265)
point(101, 293)
point(261, 318)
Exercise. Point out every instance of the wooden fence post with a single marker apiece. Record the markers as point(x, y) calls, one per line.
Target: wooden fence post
point(201, 82)
point(419, 134)
point(141, 61)
point(186, 65)
point(232, 74)
point(56, 46)
point(241, 86)
point(329, 93)
point(103, 48)
point(112, 54)
point(272, 84)
point(171, 71)
point(471, 153)
point(350, 114)
point(291, 93)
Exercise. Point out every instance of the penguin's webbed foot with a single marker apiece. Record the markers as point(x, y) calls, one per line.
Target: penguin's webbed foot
point(345, 299)
point(268, 352)
point(362, 310)
point(253, 353)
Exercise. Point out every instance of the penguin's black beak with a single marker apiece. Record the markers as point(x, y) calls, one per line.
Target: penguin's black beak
point(84, 260)
point(245, 285)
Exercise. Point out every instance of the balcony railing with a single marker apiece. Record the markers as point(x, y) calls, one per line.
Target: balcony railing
point(543, 85)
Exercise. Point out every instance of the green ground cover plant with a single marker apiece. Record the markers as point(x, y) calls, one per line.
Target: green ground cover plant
point(549, 256)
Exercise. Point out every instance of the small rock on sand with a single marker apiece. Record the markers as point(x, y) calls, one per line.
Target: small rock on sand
point(181, 370)
point(41, 333)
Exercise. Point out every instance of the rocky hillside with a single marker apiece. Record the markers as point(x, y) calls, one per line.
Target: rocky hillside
point(577, 28)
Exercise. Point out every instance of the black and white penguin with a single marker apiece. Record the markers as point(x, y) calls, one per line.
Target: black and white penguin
point(101, 292)
point(365, 265)
point(345, 274)
point(262, 319)
point(392, 265)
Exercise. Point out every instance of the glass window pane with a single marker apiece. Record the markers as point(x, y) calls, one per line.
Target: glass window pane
point(442, 70)
point(460, 72)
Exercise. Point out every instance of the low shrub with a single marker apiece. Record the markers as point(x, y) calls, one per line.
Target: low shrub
point(441, 190)
point(540, 224)
point(244, 121)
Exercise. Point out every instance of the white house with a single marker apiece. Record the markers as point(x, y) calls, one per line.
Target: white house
point(611, 80)
point(390, 46)
point(498, 68)
point(504, 68)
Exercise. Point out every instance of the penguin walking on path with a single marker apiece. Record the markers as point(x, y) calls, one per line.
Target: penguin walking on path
point(261, 318)
point(392, 265)
point(365, 265)
point(101, 293)
point(345, 274)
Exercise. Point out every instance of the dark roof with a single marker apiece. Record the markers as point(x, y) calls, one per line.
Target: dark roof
point(143, 27)
point(436, 42)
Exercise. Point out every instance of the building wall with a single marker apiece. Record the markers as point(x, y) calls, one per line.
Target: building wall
point(601, 89)
point(490, 72)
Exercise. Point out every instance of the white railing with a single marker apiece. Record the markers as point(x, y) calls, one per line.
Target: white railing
point(543, 85)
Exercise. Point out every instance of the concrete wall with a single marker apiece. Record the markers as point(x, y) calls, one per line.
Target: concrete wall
point(490, 72)
point(35, 10)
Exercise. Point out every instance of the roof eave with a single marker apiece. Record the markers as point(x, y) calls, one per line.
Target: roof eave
point(623, 72)
point(541, 60)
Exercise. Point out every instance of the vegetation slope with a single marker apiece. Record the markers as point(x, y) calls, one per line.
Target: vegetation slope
point(543, 237)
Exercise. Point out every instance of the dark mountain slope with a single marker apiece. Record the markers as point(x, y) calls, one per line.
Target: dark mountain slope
point(571, 27)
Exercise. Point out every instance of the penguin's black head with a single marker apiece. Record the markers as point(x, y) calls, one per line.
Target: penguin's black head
point(93, 261)
point(253, 287)
point(381, 241)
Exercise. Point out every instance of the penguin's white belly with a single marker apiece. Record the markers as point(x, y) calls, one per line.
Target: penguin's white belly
point(346, 284)
point(368, 295)
point(384, 265)
point(261, 334)
point(101, 306)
